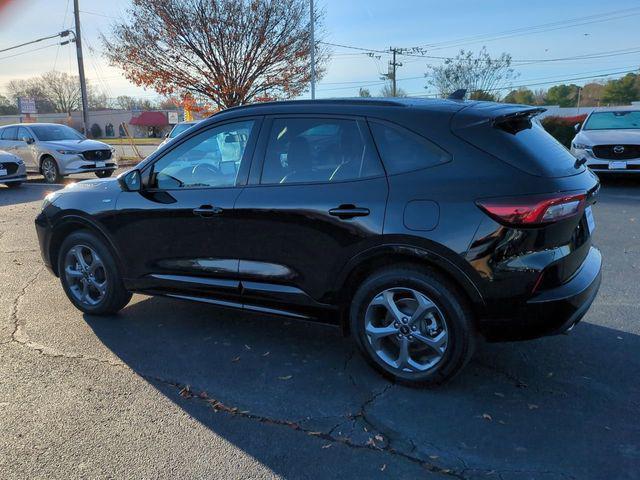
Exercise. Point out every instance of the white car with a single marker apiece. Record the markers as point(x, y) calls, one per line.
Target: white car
point(609, 141)
point(12, 170)
point(177, 130)
point(56, 150)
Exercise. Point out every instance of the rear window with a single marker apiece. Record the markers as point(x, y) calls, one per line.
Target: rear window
point(404, 151)
point(522, 143)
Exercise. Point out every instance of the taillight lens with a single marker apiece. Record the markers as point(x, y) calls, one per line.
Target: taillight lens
point(533, 210)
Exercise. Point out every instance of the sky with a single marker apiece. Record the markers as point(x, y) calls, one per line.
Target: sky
point(440, 27)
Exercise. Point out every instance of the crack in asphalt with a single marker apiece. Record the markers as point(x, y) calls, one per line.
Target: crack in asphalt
point(381, 439)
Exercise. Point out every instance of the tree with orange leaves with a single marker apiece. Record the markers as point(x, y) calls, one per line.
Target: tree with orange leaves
point(221, 52)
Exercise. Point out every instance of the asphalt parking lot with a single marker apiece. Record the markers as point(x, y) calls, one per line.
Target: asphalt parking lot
point(168, 389)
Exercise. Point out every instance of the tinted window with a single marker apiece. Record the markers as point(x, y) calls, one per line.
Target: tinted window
point(10, 133)
point(404, 151)
point(210, 159)
point(48, 133)
point(178, 129)
point(302, 150)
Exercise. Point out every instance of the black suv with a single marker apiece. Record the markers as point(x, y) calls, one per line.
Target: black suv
point(414, 225)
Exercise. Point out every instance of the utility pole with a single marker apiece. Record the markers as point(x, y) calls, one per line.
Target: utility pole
point(312, 52)
point(83, 81)
point(579, 91)
point(393, 68)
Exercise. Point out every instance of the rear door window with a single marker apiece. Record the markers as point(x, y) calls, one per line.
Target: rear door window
point(403, 151)
point(318, 150)
point(10, 133)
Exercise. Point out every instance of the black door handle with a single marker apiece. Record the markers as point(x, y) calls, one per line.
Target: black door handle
point(348, 211)
point(207, 211)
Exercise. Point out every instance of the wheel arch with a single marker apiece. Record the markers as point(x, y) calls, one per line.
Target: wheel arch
point(75, 223)
point(364, 264)
point(44, 155)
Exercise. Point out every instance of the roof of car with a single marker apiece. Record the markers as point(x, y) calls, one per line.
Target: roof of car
point(31, 124)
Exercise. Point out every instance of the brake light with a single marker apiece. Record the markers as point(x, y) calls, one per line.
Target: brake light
point(533, 210)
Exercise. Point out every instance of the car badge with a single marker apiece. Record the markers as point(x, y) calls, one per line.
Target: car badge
point(618, 149)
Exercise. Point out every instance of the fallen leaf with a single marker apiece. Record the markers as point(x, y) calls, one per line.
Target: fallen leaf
point(550, 374)
point(379, 438)
point(328, 445)
point(486, 416)
point(266, 354)
point(502, 422)
point(286, 377)
point(383, 467)
point(315, 433)
point(202, 394)
point(186, 392)
point(434, 457)
point(498, 394)
point(532, 406)
point(247, 347)
point(237, 359)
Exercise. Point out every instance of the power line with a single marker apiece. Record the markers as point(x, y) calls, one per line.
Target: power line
point(59, 34)
point(29, 51)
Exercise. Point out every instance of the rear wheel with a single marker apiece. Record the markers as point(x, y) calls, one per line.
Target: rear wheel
point(104, 173)
point(50, 171)
point(412, 325)
point(89, 275)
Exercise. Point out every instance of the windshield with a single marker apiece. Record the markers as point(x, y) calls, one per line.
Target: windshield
point(178, 129)
point(613, 120)
point(48, 133)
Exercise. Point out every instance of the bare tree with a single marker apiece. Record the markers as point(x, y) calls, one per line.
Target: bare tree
point(480, 74)
point(228, 52)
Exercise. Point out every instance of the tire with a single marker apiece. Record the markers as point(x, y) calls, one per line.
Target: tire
point(13, 184)
point(104, 173)
point(50, 171)
point(447, 325)
point(112, 296)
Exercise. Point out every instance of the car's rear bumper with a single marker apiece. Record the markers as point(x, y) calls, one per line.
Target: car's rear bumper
point(552, 311)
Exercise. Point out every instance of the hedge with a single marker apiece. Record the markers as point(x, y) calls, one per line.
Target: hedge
point(562, 128)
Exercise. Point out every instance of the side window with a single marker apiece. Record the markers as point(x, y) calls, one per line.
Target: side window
point(210, 159)
point(10, 133)
point(303, 150)
point(404, 151)
point(23, 133)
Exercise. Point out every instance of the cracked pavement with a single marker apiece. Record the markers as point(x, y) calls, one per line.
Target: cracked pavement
point(170, 388)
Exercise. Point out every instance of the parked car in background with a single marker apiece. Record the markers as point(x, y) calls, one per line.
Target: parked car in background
point(56, 150)
point(12, 170)
point(414, 225)
point(177, 130)
point(609, 141)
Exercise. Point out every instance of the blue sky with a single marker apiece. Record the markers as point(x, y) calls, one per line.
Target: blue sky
point(371, 24)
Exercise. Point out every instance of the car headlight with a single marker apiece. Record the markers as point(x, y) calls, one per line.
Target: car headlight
point(49, 199)
point(581, 146)
point(68, 152)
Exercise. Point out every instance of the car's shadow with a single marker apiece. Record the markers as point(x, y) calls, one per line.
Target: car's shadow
point(25, 193)
point(565, 405)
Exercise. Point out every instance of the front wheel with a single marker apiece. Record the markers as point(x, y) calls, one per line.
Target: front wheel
point(90, 276)
point(104, 173)
point(412, 325)
point(50, 170)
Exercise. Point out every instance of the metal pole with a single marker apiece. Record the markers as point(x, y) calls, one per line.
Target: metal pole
point(313, 52)
point(579, 90)
point(393, 78)
point(83, 81)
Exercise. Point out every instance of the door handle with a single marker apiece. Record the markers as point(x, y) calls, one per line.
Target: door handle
point(345, 212)
point(207, 211)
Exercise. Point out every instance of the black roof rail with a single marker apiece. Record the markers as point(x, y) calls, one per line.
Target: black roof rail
point(324, 101)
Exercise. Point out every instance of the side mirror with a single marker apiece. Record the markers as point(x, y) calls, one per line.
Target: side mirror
point(131, 181)
point(28, 140)
point(576, 127)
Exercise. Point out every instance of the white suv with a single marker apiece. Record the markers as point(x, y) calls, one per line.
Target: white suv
point(57, 150)
point(609, 141)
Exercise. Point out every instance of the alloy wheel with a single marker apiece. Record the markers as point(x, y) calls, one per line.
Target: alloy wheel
point(406, 329)
point(49, 170)
point(86, 275)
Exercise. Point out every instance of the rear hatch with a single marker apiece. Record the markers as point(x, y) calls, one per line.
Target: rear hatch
point(512, 134)
point(549, 207)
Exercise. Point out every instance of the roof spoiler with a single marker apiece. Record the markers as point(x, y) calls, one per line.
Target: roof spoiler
point(528, 112)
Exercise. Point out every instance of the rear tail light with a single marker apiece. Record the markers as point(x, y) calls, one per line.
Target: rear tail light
point(533, 210)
